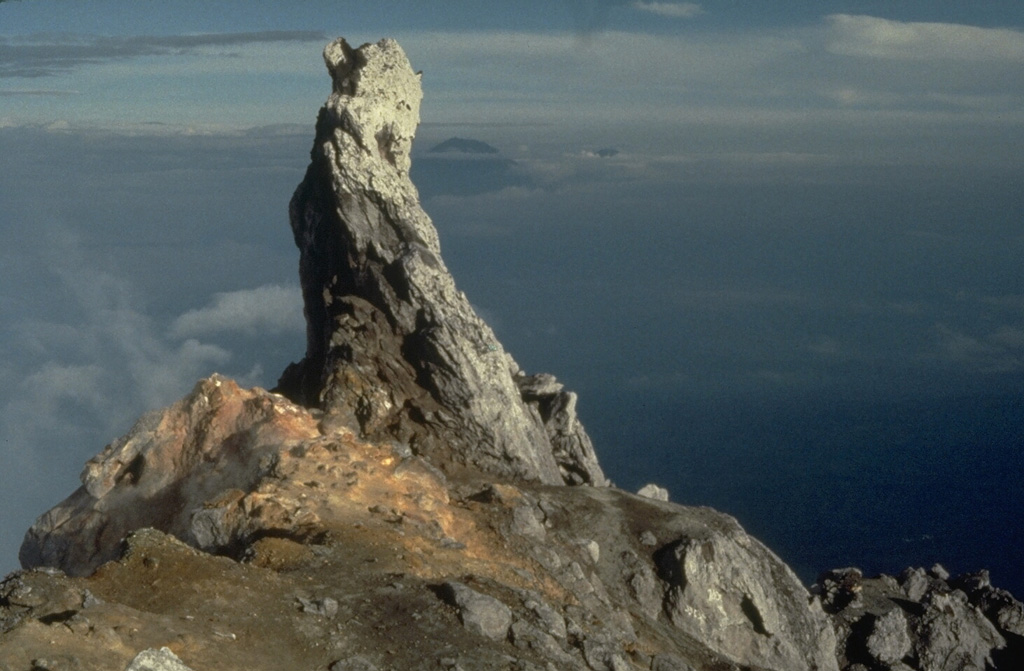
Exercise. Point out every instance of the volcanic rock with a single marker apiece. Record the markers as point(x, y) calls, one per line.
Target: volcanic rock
point(652, 491)
point(202, 470)
point(889, 641)
point(923, 621)
point(393, 349)
point(157, 660)
point(479, 613)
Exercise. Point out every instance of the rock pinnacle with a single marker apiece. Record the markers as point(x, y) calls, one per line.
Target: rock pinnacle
point(393, 349)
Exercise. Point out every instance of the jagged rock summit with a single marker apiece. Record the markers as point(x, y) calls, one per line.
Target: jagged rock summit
point(392, 347)
point(256, 539)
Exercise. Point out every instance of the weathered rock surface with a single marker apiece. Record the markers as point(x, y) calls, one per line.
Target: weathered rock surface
point(652, 491)
point(193, 470)
point(479, 613)
point(923, 621)
point(338, 549)
point(732, 593)
point(393, 349)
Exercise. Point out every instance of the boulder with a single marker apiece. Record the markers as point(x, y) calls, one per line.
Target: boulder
point(732, 593)
point(479, 613)
point(889, 641)
point(652, 491)
point(157, 660)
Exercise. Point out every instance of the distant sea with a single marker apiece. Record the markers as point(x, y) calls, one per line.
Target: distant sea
point(828, 484)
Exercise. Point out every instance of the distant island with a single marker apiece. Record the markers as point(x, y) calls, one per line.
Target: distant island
point(462, 166)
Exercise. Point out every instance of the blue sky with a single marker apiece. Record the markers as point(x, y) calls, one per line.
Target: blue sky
point(810, 200)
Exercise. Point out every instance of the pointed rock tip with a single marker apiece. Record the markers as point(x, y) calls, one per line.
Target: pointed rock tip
point(346, 65)
point(375, 100)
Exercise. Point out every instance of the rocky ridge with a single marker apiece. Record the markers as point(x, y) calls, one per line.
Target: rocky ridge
point(392, 346)
point(303, 547)
point(400, 501)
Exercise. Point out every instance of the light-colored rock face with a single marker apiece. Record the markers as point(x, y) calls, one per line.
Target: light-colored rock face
point(157, 660)
point(393, 349)
point(731, 592)
point(889, 641)
point(377, 95)
point(323, 528)
point(955, 636)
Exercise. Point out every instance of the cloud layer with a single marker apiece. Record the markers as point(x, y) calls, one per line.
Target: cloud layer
point(845, 85)
point(872, 37)
point(673, 10)
point(266, 310)
point(38, 56)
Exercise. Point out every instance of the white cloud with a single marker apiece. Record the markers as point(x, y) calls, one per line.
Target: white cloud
point(802, 79)
point(675, 10)
point(233, 80)
point(106, 347)
point(266, 309)
point(102, 360)
point(786, 77)
point(868, 36)
point(615, 77)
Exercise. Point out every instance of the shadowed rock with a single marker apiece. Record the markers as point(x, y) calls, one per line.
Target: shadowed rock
point(393, 349)
point(923, 621)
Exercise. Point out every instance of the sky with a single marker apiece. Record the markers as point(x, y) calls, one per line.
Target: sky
point(808, 206)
